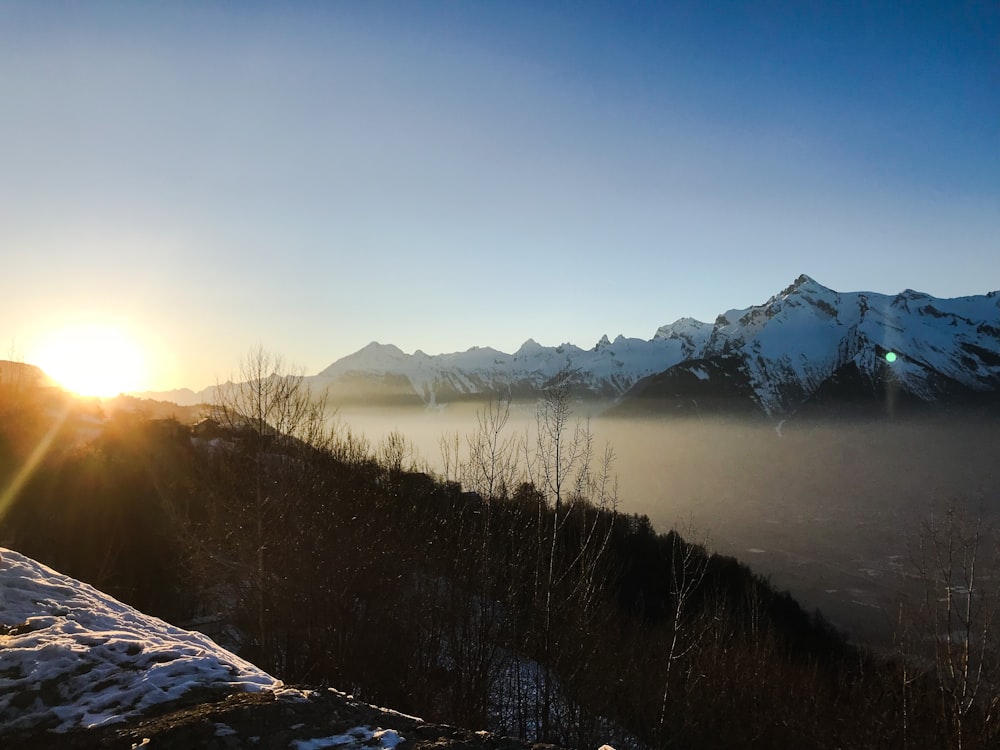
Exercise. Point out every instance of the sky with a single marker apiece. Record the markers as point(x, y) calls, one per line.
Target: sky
point(313, 176)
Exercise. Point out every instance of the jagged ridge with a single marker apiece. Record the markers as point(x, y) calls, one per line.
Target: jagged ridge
point(777, 356)
point(807, 338)
point(606, 371)
point(782, 351)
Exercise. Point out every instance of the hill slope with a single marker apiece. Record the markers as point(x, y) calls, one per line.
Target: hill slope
point(79, 669)
point(75, 658)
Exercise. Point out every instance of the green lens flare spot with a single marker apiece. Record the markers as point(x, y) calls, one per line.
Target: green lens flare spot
point(890, 356)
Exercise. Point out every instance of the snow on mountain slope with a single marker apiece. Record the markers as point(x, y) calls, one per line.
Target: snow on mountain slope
point(607, 370)
point(72, 657)
point(781, 352)
point(693, 335)
point(789, 346)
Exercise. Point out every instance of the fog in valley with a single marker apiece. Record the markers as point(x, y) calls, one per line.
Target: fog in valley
point(832, 511)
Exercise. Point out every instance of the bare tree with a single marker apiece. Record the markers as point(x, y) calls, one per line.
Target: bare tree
point(397, 453)
point(347, 445)
point(275, 415)
point(958, 563)
point(451, 459)
point(492, 467)
point(688, 565)
point(271, 402)
point(562, 467)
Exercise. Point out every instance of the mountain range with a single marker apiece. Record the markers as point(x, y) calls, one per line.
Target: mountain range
point(806, 348)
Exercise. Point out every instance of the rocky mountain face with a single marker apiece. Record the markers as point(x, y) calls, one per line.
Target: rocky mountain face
point(811, 349)
point(804, 347)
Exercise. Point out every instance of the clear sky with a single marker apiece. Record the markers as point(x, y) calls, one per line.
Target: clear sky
point(313, 176)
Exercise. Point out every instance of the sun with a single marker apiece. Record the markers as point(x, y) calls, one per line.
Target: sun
point(92, 360)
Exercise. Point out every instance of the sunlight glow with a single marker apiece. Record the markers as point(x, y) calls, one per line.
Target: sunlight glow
point(92, 360)
point(10, 492)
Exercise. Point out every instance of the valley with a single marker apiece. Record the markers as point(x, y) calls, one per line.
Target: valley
point(831, 510)
point(811, 435)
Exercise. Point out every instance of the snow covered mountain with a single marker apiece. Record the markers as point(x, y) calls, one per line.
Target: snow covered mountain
point(806, 342)
point(806, 346)
point(606, 371)
point(810, 344)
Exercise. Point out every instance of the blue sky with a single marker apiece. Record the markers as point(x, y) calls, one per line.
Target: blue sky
point(439, 175)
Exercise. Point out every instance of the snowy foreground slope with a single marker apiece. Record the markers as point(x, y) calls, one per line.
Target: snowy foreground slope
point(72, 657)
point(79, 669)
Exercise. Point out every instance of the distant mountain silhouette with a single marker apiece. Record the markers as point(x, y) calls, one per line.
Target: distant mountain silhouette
point(22, 374)
point(807, 348)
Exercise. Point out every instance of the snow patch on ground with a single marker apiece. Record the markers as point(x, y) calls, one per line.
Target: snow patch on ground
point(358, 737)
point(698, 372)
point(73, 657)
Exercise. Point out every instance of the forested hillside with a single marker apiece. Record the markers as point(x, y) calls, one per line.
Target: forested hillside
point(507, 594)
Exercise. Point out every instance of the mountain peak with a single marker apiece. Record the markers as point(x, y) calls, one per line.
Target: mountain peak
point(681, 328)
point(804, 283)
point(374, 356)
point(682, 323)
point(375, 346)
point(528, 347)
